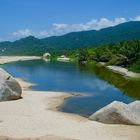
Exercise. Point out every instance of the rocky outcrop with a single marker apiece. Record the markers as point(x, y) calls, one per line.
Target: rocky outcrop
point(46, 56)
point(118, 113)
point(9, 87)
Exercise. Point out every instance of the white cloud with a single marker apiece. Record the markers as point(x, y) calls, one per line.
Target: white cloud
point(43, 34)
point(94, 24)
point(137, 18)
point(59, 26)
point(22, 33)
point(62, 28)
point(59, 29)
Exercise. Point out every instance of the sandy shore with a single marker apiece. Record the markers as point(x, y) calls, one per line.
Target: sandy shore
point(25, 84)
point(124, 71)
point(121, 70)
point(34, 117)
point(8, 59)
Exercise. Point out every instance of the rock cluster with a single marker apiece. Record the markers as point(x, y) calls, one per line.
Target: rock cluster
point(118, 113)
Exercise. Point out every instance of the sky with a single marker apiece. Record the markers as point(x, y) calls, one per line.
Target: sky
point(44, 18)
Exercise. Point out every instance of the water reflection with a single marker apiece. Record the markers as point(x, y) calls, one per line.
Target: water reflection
point(101, 85)
point(128, 87)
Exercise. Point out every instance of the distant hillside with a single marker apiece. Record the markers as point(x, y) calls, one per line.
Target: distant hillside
point(68, 42)
point(125, 31)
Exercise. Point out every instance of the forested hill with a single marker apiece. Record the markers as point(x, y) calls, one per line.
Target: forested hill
point(63, 44)
point(125, 31)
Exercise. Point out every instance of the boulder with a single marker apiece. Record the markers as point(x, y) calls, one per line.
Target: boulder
point(118, 113)
point(9, 87)
point(135, 105)
point(47, 56)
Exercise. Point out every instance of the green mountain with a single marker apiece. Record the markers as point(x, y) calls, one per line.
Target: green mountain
point(125, 31)
point(71, 41)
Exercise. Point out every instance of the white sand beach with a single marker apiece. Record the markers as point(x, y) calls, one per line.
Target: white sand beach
point(35, 117)
point(8, 59)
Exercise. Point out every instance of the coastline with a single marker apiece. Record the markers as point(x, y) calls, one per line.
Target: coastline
point(117, 69)
point(121, 70)
point(124, 71)
point(36, 116)
point(9, 59)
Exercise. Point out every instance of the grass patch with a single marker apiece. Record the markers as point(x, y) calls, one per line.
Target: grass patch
point(134, 78)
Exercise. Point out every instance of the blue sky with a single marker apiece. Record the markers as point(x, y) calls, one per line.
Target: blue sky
point(42, 18)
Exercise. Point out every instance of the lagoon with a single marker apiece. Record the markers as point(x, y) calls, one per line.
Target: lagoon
point(99, 85)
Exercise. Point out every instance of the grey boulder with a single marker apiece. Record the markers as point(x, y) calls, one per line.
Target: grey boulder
point(118, 113)
point(9, 87)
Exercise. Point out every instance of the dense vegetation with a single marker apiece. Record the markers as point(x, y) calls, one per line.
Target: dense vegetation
point(119, 45)
point(126, 54)
point(125, 31)
point(70, 42)
point(30, 46)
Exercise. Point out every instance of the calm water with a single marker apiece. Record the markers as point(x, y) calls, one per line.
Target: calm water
point(100, 85)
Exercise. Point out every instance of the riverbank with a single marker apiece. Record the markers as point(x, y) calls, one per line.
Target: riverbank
point(121, 70)
point(9, 59)
point(124, 71)
point(35, 117)
point(118, 69)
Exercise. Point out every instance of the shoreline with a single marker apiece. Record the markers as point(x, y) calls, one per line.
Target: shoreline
point(27, 86)
point(9, 59)
point(116, 69)
point(124, 71)
point(36, 117)
point(121, 70)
